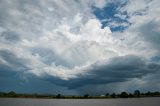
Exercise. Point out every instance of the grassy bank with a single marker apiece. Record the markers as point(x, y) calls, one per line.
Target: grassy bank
point(136, 94)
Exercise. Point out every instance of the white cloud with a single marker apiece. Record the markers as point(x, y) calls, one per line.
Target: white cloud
point(68, 36)
point(136, 6)
point(64, 39)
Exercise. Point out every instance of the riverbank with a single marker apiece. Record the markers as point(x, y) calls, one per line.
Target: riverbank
point(136, 94)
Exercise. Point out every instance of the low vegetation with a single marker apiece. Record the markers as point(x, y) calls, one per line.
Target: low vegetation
point(136, 94)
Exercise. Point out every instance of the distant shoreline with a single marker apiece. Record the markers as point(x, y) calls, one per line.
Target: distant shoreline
point(75, 98)
point(136, 94)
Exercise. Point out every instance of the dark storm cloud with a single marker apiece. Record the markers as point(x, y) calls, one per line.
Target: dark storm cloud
point(6, 71)
point(11, 80)
point(14, 77)
point(119, 69)
point(9, 77)
point(11, 72)
point(13, 61)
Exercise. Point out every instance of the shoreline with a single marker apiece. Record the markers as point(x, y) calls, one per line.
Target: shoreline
point(136, 94)
point(76, 98)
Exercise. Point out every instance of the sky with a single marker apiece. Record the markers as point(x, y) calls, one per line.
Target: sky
point(79, 46)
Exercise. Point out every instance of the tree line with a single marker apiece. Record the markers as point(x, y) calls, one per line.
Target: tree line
point(135, 94)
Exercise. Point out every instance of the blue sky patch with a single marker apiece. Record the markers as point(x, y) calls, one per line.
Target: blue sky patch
point(107, 15)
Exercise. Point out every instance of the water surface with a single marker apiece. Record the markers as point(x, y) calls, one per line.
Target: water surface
point(80, 102)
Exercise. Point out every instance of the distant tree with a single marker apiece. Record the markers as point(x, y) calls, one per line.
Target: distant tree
point(11, 94)
point(113, 95)
point(156, 93)
point(2, 94)
point(107, 94)
point(130, 95)
point(58, 96)
point(148, 93)
point(86, 96)
point(35, 95)
point(124, 95)
point(73, 96)
point(137, 93)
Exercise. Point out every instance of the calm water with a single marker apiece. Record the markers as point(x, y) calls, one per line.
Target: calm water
point(80, 102)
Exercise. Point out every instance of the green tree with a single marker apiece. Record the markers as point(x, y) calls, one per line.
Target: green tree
point(86, 96)
point(137, 93)
point(58, 96)
point(107, 94)
point(113, 95)
point(12, 94)
point(130, 95)
point(2, 94)
point(124, 95)
point(156, 93)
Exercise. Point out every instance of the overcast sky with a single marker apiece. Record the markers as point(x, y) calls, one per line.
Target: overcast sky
point(79, 46)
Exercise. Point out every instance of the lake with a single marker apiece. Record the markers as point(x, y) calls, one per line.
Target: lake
point(80, 102)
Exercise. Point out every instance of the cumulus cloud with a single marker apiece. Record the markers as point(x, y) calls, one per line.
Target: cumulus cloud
point(63, 43)
point(144, 19)
point(117, 69)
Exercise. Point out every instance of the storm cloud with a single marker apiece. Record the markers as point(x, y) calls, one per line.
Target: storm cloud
point(118, 69)
point(60, 46)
